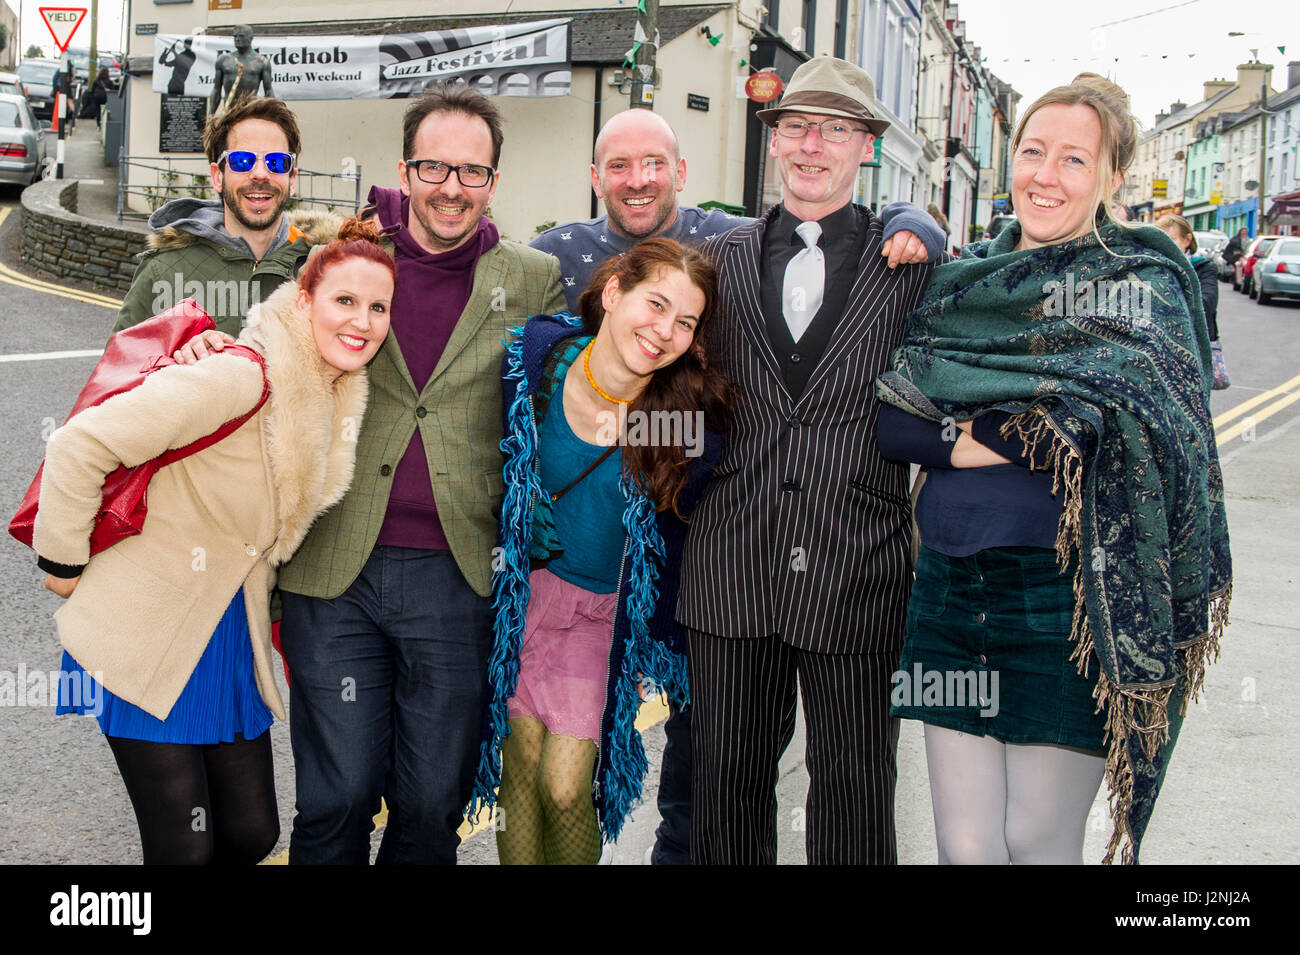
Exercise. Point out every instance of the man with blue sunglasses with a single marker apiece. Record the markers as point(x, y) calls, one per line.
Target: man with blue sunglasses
point(232, 252)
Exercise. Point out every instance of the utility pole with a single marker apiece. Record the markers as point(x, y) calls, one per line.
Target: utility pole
point(1263, 138)
point(92, 67)
point(645, 48)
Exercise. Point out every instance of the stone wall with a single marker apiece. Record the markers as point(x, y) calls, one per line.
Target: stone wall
point(63, 244)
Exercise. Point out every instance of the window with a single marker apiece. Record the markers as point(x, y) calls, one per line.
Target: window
point(773, 16)
point(841, 27)
point(888, 91)
point(1286, 127)
point(809, 24)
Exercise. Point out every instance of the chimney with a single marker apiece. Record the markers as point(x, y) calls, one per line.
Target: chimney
point(1250, 76)
point(1175, 107)
point(1215, 87)
point(1293, 74)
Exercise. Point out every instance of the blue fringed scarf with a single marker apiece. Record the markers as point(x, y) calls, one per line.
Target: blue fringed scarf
point(638, 657)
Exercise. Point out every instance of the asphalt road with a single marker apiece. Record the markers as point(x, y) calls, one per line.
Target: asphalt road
point(1229, 796)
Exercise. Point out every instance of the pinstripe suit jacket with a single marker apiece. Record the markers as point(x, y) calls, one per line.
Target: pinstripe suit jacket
point(458, 414)
point(804, 530)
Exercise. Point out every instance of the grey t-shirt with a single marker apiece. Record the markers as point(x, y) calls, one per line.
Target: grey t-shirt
point(582, 246)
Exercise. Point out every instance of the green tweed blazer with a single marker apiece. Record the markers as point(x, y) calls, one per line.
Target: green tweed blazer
point(458, 415)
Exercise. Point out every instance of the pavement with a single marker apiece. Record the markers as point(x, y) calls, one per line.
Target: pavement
point(83, 159)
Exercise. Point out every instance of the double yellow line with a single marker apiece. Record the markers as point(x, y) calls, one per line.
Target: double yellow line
point(1286, 394)
point(14, 277)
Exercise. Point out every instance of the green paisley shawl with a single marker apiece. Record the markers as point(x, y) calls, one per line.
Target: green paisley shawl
point(1101, 352)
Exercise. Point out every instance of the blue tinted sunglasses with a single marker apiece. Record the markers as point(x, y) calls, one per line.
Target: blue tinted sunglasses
point(242, 160)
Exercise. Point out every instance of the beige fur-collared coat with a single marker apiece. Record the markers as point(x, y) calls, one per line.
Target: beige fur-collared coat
point(225, 518)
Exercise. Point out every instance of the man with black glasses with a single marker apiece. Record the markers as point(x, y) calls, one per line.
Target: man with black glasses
point(387, 619)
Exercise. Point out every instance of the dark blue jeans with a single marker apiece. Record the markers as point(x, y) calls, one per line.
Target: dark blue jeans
point(387, 688)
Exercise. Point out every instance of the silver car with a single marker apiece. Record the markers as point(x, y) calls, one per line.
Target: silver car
point(12, 83)
point(1210, 242)
point(1278, 273)
point(22, 142)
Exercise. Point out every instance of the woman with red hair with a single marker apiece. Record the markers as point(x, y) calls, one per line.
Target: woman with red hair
point(167, 634)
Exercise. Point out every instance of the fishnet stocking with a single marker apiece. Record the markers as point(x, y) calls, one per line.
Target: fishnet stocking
point(547, 816)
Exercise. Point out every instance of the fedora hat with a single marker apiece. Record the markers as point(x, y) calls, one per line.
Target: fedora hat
point(829, 86)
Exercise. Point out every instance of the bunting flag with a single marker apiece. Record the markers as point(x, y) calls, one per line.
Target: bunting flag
point(629, 58)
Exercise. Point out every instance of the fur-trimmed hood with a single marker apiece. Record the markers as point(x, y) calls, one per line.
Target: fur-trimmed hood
point(183, 222)
point(311, 443)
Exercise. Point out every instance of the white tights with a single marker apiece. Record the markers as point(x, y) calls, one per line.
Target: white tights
point(996, 802)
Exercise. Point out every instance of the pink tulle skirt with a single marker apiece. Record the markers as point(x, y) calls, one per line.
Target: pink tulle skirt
point(565, 656)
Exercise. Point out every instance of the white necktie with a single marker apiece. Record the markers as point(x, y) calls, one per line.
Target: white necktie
point(805, 281)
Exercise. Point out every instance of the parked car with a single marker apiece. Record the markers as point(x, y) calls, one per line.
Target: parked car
point(997, 224)
point(12, 83)
point(1257, 249)
point(1223, 266)
point(1209, 242)
point(1277, 274)
point(80, 57)
point(22, 142)
point(38, 77)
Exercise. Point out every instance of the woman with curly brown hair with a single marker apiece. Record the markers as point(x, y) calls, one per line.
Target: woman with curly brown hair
point(608, 439)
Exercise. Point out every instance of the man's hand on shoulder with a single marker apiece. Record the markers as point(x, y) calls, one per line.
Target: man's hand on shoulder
point(911, 236)
point(904, 248)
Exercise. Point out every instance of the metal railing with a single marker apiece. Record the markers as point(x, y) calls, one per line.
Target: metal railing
point(171, 182)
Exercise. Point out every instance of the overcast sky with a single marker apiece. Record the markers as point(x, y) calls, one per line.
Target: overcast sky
point(1162, 51)
point(1158, 50)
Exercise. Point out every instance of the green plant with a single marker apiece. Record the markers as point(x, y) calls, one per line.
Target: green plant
point(34, 51)
point(549, 224)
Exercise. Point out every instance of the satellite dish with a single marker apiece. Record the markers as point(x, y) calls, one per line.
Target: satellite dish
point(1250, 185)
point(1179, 155)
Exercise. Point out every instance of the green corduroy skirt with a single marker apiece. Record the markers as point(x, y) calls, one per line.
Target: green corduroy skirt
point(987, 650)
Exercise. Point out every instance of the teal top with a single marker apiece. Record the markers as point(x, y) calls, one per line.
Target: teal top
point(589, 518)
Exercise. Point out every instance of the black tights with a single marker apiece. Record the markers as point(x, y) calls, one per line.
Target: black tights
point(201, 804)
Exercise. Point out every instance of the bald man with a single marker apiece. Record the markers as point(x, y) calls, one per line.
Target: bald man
point(638, 171)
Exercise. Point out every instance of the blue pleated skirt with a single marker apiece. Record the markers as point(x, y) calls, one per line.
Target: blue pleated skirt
point(220, 699)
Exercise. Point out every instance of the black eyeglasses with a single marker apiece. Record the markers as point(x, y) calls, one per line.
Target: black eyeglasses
point(832, 130)
point(242, 160)
point(434, 171)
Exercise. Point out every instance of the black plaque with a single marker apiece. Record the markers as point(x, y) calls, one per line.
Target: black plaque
point(180, 126)
point(696, 101)
point(146, 29)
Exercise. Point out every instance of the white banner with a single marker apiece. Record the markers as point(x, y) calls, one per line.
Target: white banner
point(516, 59)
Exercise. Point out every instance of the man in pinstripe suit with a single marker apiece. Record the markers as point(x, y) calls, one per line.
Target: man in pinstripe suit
point(796, 571)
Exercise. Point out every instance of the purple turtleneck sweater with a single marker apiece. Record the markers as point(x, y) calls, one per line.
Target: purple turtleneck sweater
point(431, 293)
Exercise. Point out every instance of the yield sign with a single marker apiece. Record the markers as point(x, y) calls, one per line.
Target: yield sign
point(63, 22)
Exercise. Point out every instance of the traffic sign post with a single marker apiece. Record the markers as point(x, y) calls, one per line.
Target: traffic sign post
point(63, 23)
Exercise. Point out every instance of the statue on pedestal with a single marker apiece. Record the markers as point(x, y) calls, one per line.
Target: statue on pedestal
point(241, 73)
